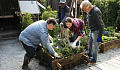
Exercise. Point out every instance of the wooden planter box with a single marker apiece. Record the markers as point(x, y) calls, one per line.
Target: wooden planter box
point(62, 63)
point(109, 45)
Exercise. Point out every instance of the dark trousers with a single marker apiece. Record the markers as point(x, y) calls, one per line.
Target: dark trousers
point(30, 51)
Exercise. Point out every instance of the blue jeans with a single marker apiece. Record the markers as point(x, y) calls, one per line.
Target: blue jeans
point(93, 45)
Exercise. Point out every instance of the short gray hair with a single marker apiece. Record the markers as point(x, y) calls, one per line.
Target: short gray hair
point(85, 4)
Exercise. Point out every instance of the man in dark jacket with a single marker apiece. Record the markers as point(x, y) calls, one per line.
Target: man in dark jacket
point(96, 26)
point(63, 13)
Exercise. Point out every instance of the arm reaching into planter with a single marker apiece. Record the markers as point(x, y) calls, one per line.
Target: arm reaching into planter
point(75, 25)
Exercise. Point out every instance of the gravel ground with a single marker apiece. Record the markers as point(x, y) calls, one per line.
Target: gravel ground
point(12, 53)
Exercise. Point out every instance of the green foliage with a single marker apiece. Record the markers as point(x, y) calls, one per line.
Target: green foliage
point(49, 13)
point(109, 9)
point(106, 38)
point(84, 41)
point(86, 28)
point(111, 30)
point(117, 24)
point(117, 35)
point(64, 49)
point(26, 20)
point(68, 51)
point(43, 2)
point(60, 42)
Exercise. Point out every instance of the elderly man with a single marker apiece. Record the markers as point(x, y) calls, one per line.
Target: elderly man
point(33, 35)
point(96, 26)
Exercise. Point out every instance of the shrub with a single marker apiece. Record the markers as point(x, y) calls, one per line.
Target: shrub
point(49, 13)
point(26, 20)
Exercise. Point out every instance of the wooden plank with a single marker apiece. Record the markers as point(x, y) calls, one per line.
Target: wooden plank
point(63, 63)
point(109, 45)
point(8, 16)
point(66, 60)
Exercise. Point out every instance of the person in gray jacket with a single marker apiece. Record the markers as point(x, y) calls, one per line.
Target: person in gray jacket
point(35, 34)
point(96, 26)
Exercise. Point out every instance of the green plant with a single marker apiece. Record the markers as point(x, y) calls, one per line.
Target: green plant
point(43, 2)
point(106, 38)
point(111, 30)
point(64, 50)
point(84, 41)
point(109, 9)
point(26, 20)
point(49, 13)
point(68, 51)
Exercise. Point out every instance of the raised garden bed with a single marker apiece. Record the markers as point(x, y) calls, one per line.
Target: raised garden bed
point(62, 63)
point(109, 45)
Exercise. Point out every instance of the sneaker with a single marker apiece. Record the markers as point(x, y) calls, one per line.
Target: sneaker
point(90, 63)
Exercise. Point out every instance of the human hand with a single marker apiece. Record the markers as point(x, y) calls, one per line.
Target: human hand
point(56, 55)
point(61, 24)
point(74, 45)
point(99, 39)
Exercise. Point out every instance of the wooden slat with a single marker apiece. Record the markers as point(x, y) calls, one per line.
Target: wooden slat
point(8, 16)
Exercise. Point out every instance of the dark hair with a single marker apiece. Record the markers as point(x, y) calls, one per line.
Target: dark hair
point(51, 20)
point(68, 19)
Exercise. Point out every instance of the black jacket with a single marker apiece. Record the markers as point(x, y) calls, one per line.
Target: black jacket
point(66, 8)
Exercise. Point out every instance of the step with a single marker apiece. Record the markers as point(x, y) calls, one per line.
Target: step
point(7, 34)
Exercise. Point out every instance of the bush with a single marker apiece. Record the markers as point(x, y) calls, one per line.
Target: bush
point(49, 13)
point(26, 20)
point(109, 9)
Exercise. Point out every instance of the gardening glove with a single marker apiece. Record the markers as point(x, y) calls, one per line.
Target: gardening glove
point(61, 24)
point(56, 55)
point(74, 45)
point(99, 39)
point(50, 37)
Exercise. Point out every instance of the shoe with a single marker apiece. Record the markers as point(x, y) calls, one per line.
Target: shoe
point(25, 63)
point(90, 63)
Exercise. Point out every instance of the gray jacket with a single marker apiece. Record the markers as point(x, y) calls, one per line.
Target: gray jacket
point(95, 20)
point(35, 34)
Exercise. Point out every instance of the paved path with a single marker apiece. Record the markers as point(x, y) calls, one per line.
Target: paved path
point(12, 53)
point(112, 64)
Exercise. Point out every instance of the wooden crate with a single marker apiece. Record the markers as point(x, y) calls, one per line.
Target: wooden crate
point(109, 45)
point(63, 63)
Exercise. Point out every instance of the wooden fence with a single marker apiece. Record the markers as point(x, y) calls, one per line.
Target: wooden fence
point(7, 7)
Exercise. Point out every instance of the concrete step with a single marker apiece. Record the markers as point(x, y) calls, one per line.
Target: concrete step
point(7, 34)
